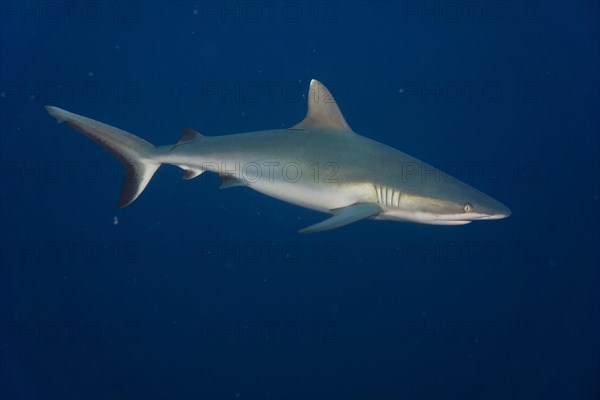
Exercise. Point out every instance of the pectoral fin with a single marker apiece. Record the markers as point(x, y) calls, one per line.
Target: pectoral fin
point(344, 216)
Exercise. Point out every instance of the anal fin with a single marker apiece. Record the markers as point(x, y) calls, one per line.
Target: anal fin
point(344, 216)
point(191, 173)
point(229, 181)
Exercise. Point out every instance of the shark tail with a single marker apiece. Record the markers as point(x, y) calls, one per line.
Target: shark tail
point(137, 155)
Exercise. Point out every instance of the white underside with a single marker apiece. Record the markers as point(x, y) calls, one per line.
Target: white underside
point(311, 197)
point(325, 198)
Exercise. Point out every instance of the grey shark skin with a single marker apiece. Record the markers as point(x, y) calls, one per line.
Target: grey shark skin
point(320, 164)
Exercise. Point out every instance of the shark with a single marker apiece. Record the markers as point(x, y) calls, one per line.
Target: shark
point(320, 164)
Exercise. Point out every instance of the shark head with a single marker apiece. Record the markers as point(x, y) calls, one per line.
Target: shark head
point(445, 202)
point(473, 206)
point(445, 210)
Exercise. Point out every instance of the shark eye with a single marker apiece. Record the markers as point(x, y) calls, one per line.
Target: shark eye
point(468, 207)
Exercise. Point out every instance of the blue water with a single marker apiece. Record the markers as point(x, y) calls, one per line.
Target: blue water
point(195, 292)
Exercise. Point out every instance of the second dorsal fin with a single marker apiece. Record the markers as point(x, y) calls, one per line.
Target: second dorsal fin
point(323, 111)
point(188, 136)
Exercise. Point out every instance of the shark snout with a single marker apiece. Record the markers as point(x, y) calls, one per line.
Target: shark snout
point(491, 209)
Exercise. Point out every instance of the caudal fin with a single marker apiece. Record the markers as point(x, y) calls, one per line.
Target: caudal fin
point(136, 154)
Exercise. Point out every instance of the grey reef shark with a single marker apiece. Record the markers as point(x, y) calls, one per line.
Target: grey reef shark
point(319, 163)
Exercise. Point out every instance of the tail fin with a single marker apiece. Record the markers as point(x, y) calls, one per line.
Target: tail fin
point(135, 153)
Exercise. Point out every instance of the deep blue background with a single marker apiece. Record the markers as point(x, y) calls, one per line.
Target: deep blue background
point(379, 310)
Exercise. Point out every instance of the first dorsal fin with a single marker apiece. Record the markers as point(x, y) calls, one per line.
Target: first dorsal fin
point(323, 111)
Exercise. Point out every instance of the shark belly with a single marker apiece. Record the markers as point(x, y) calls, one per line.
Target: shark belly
point(320, 197)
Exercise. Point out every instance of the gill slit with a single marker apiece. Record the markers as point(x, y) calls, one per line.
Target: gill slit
point(387, 197)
